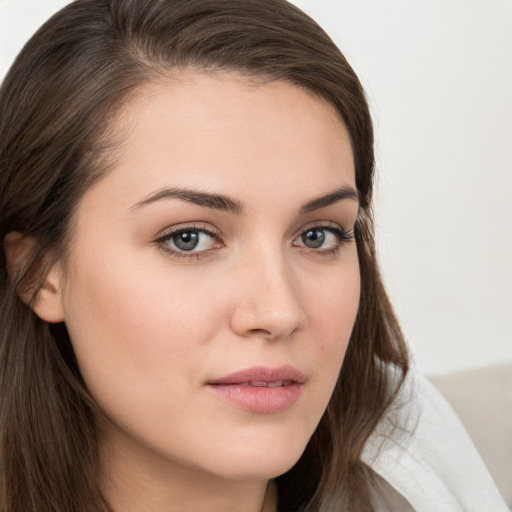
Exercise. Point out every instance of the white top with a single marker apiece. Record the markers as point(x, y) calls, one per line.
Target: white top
point(433, 463)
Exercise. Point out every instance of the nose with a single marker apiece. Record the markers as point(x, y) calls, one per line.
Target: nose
point(267, 301)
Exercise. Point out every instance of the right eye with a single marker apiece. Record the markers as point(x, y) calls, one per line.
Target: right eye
point(189, 240)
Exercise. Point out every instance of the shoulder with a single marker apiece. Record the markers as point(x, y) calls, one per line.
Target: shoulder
point(423, 451)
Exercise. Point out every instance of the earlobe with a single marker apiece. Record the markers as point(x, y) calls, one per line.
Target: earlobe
point(44, 298)
point(47, 304)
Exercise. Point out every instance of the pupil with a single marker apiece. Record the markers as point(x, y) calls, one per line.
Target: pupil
point(313, 238)
point(186, 241)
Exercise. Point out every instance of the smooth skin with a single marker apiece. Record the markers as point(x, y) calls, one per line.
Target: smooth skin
point(163, 290)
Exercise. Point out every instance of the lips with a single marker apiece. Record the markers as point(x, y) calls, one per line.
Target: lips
point(262, 375)
point(260, 389)
point(263, 384)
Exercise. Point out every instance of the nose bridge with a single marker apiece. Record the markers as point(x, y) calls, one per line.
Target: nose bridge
point(268, 302)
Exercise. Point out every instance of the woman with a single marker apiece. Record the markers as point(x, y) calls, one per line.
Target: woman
point(192, 313)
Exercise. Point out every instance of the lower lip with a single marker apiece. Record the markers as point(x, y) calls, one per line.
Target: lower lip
point(259, 399)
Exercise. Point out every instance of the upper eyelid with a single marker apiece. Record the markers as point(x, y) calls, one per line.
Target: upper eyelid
point(320, 224)
point(213, 231)
point(183, 227)
point(163, 241)
point(343, 236)
point(333, 227)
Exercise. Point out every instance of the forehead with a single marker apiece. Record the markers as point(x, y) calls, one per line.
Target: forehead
point(231, 134)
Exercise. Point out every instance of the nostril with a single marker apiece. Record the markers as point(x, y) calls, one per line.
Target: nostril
point(260, 332)
point(275, 334)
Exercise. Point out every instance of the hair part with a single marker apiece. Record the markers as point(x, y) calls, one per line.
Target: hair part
point(57, 107)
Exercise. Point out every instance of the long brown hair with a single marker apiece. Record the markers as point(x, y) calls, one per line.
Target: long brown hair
point(56, 107)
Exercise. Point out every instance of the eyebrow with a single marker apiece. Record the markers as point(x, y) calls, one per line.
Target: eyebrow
point(227, 204)
point(337, 195)
point(215, 201)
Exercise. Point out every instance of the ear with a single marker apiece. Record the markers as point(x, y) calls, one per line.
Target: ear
point(47, 302)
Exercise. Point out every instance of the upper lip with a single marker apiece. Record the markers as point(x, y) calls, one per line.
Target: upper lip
point(262, 374)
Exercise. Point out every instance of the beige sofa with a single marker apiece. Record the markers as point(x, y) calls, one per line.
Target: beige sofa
point(483, 400)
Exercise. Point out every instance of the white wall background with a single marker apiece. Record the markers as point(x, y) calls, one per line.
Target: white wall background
point(438, 74)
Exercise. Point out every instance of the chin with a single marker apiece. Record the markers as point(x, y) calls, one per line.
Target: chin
point(261, 461)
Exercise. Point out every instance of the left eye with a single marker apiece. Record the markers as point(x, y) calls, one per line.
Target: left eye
point(321, 238)
point(189, 240)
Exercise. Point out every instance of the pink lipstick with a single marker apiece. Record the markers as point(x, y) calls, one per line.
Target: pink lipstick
point(261, 389)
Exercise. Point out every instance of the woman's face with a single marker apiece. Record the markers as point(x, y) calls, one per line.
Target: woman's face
point(212, 281)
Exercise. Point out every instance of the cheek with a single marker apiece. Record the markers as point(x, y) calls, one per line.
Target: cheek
point(333, 309)
point(139, 342)
point(136, 321)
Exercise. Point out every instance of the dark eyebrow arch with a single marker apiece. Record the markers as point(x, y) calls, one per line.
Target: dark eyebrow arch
point(333, 197)
point(227, 204)
point(215, 201)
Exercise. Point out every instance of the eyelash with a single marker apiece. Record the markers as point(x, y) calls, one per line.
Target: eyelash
point(163, 241)
point(343, 237)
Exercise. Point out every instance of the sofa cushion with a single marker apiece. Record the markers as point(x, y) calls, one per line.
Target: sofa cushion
point(482, 398)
